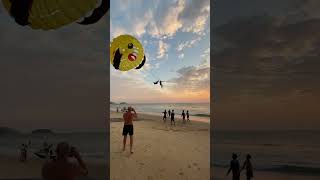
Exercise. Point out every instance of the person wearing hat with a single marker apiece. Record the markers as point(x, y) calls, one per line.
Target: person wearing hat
point(234, 167)
point(248, 166)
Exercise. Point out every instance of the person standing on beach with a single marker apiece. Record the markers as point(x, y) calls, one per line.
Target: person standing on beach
point(172, 118)
point(183, 115)
point(23, 153)
point(128, 127)
point(248, 166)
point(62, 168)
point(164, 115)
point(234, 167)
point(188, 115)
point(169, 113)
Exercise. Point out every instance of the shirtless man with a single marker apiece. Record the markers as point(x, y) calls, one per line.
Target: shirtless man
point(128, 127)
point(61, 168)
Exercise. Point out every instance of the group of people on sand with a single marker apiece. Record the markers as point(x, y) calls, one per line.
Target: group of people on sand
point(171, 114)
point(235, 167)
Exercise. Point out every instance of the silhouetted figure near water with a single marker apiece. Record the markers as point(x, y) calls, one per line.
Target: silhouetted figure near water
point(248, 166)
point(23, 153)
point(183, 115)
point(188, 116)
point(169, 113)
point(172, 118)
point(234, 167)
point(164, 115)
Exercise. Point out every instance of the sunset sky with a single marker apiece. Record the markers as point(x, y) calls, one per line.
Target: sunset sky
point(176, 38)
point(266, 64)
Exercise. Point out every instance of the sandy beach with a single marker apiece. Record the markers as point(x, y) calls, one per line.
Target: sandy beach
point(220, 174)
point(12, 169)
point(160, 151)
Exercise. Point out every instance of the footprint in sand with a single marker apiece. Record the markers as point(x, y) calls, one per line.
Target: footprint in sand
point(181, 173)
point(198, 169)
point(195, 164)
point(189, 166)
point(141, 164)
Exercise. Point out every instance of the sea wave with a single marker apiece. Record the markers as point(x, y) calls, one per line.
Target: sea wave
point(201, 115)
point(295, 169)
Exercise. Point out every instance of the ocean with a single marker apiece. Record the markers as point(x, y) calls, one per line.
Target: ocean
point(276, 151)
point(198, 111)
point(91, 145)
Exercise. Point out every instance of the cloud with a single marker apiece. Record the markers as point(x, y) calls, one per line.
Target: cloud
point(192, 79)
point(265, 58)
point(163, 19)
point(163, 49)
point(195, 16)
point(188, 44)
point(181, 56)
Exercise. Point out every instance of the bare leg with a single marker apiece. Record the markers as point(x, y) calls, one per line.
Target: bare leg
point(124, 142)
point(131, 143)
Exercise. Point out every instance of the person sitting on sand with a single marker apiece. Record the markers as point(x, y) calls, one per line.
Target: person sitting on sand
point(188, 115)
point(234, 167)
point(248, 166)
point(164, 115)
point(183, 115)
point(61, 168)
point(128, 127)
point(172, 118)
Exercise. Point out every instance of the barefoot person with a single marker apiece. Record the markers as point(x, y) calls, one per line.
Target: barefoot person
point(234, 167)
point(62, 168)
point(188, 115)
point(128, 127)
point(172, 118)
point(183, 115)
point(248, 166)
point(164, 118)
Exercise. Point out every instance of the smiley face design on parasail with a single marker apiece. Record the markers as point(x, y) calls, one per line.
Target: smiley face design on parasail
point(126, 53)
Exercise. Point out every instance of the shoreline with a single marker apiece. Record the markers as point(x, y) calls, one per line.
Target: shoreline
point(117, 117)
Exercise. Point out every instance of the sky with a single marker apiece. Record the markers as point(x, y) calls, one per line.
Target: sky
point(175, 35)
point(53, 79)
point(266, 64)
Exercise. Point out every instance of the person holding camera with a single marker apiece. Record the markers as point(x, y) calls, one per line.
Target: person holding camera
point(62, 168)
point(128, 127)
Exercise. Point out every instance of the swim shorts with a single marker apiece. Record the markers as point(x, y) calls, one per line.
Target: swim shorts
point(127, 129)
